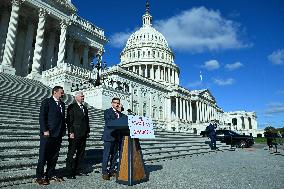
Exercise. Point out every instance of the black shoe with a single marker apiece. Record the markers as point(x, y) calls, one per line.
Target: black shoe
point(71, 177)
point(106, 177)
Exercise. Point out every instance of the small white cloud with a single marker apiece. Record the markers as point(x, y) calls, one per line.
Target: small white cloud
point(200, 29)
point(233, 66)
point(119, 39)
point(277, 57)
point(275, 107)
point(224, 82)
point(211, 65)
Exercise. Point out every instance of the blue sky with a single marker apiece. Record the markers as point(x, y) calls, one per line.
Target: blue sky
point(236, 45)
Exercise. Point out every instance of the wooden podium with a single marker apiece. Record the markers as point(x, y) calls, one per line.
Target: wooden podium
point(131, 165)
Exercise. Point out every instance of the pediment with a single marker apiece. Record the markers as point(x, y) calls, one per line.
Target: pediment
point(63, 5)
point(207, 95)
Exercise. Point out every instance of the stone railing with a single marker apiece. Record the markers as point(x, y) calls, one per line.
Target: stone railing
point(69, 69)
point(87, 25)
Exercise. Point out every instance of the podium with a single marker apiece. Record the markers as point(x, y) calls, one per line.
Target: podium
point(131, 169)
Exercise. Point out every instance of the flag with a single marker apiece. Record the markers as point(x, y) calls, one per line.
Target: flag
point(200, 76)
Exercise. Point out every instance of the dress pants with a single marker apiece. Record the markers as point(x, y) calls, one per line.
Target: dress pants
point(110, 154)
point(48, 154)
point(75, 155)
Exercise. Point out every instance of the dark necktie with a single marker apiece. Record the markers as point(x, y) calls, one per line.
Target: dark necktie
point(82, 108)
point(116, 114)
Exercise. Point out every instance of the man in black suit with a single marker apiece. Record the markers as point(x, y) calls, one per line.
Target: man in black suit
point(111, 140)
point(78, 131)
point(52, 129)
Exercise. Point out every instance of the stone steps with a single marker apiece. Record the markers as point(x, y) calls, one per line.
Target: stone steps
point(20, 100)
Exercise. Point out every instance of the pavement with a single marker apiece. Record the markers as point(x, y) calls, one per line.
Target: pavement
point(248, 168)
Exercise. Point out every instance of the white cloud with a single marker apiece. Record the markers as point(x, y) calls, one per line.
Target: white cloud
point(119, 39)
point(194, 30)
point(224, 82)
point(274, 108)
point(277, 57)
point(200, 29)
point(211, 65)
point(233, 66)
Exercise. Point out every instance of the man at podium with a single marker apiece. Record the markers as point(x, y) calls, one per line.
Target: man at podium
point(111, 138)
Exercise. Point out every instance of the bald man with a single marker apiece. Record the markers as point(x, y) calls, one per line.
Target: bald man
point(78, 131)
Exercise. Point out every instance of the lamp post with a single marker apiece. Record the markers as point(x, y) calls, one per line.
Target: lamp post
point(97, 68)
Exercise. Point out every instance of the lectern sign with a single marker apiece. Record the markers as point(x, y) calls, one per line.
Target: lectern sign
point(140, 127)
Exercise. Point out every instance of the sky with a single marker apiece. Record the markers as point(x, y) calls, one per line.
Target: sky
point(234, 48)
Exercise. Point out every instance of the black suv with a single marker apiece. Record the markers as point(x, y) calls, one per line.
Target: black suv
point(235, 139)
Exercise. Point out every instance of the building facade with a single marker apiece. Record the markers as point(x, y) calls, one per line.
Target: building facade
point(46, 40)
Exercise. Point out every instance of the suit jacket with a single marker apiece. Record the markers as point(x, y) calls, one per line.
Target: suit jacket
point(212, 132)
point(51, 118)
point(110, 134)
point(77, 120)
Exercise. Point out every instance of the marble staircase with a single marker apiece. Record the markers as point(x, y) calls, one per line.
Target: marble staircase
point(20, 100)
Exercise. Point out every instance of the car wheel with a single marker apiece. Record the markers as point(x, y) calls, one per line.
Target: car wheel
point(242, 144)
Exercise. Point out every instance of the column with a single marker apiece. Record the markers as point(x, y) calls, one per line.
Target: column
point(180, 108)
point(176, 78)
point(184, 112)
point(35, 73)
point(164, 78)
point(190, 109)
point(62, 42)
point(159, 73)
point(10, 43)
point(140, 70)
point(146, 70)
point(28, 48)
point(3, 30)
point(197, 111)
point(133, 68)
point(187, 111)
point(70, 50)
point(177, 108)
point(85, 56)
point(152, 72)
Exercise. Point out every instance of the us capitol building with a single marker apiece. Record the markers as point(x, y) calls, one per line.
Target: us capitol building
point(46, 40)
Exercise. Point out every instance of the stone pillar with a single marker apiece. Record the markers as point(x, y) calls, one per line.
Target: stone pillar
point(165, 74)
point(152, 72)
point(35, 73)
point(70, 50)
point(28, 49)
point(3, 30)
point(190, 109)
point(187, 111)
point(146, 70)
point(177, 108)
point(176, 77)
point(180, 108)
point(8, 56)
point(62, 43)
point(197, 112)
point(159, 73)
point(140, 70)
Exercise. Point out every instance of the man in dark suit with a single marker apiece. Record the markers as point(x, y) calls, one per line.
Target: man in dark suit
point(52, 129)
point(212, 134)
point(78, 131)
point(111, 140)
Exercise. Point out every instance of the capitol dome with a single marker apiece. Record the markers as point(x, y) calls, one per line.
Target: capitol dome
point(147, 53)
